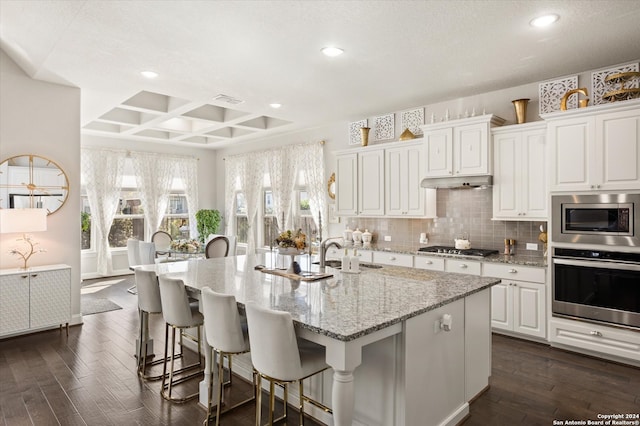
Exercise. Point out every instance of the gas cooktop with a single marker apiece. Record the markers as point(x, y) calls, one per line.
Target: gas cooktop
point(453, 250)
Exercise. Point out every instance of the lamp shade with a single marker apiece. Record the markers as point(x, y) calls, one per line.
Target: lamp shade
point(22, 220)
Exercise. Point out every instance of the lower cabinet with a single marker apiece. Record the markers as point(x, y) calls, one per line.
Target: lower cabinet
point(518, 305)
point(34, 299)
point(595, 339)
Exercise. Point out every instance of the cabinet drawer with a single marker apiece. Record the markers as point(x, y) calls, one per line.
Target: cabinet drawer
point(513, 272)
point(593, 337)
point(393, 259)
point(462, 266)
point(426, 262)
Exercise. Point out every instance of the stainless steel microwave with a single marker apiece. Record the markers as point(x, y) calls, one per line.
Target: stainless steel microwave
point(607, 219)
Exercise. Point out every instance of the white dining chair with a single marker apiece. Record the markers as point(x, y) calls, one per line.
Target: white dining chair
point(232, 242)
point(279, 356)
point(162, 239)
point(217, 247)
point(133, 256)
point(227, 334)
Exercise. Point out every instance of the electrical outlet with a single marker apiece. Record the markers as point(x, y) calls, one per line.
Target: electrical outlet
point(387, 237)
point(532, 246)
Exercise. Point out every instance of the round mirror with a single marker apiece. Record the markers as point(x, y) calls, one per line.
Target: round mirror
point(31, 181)
point(331, 186)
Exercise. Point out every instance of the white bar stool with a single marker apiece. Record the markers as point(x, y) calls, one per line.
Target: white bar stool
point(149, 302)
point(278, 355)
point(227, 334)
point(179, 315)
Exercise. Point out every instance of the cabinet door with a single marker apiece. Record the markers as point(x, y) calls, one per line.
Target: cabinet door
point(501, 306)
point(533, 176)
point(471, 150)
point(346, 184)
point(618, 149)
point(403, 172)
point(439, 152)
point(14, 303)
point(50, 297)
point(571, 143)
point(529, 314)
point(506, 170)
point(371, 183)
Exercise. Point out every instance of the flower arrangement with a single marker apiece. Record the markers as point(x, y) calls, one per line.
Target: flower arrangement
point(291, 239)
point(185, 245)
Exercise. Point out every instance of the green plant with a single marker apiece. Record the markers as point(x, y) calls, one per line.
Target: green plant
point(85, 221)
point(207, 222)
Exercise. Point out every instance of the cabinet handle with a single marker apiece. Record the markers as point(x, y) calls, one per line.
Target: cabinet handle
point(392, 258)
point(34, 275)
point(25, 276)
point(593, 187)
point(463, 266)
point(428, 262)
point(598, 186)
point(596, 333)
point(513, 271)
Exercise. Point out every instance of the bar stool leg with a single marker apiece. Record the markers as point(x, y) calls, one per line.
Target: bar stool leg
point(258, 399)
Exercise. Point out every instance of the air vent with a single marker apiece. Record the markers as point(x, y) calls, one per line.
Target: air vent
point(228, 99)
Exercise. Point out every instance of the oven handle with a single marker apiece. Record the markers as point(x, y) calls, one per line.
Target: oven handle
point(596, 264)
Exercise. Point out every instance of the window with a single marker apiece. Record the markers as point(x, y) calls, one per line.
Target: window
point(303, 203)
point(129, 220)
point(242, 222)
point(176, 219)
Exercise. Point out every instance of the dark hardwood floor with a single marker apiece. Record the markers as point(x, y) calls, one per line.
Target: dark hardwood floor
point(89, 378)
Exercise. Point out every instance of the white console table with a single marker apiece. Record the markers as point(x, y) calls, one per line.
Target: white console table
point(34, 299)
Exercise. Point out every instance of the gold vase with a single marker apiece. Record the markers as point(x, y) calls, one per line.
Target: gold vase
point(521, 109)
point(364, 135)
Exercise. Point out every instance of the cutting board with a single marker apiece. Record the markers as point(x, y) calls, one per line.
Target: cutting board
point(314, 277)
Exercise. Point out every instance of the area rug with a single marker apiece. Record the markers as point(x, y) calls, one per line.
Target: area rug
point(95, 305)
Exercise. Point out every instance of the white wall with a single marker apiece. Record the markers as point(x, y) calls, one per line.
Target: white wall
point(44, 119)
point(207, 198)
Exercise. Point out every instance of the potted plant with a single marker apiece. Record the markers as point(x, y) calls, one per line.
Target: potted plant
point(207, 222)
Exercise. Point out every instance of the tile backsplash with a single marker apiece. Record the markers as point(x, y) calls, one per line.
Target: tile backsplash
point(461, 212)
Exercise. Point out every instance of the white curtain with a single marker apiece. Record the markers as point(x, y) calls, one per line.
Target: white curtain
point(187, 170)
point(282, 168)
point(231, 177)
point(154, 176)
point(102, 174)
point(311, 157)
point(251, 173)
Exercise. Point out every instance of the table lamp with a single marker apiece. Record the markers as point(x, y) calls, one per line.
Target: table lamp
point(23, 221)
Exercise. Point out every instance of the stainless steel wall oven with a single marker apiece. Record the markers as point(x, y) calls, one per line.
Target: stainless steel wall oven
point(595, 285)
point(607, 219)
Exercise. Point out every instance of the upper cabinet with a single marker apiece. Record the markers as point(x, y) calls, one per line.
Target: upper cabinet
point(596, 148)
point(360, 183)
point(383, 180)
point(520, 178)
point(404, 169)
point(459, 147)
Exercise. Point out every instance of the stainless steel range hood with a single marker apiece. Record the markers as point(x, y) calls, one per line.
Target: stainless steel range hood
point(462, 182)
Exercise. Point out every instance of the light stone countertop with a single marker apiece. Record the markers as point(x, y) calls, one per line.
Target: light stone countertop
point(345, 306)
point(517, 259)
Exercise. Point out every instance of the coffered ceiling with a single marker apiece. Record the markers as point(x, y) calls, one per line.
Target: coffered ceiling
point(221, 63)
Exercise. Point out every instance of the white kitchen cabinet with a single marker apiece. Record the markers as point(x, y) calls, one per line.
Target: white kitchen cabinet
point(404, 168)
point(396, 259)
point(360, 183)
point(428, 262)
point(518, 303)
point(595, 339)
point(595, 149)
point(459, 147)
point(463, 266)
point(520, 178)
point(34, 299)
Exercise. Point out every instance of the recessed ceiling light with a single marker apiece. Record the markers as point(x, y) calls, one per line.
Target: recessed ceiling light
point(332, 51)
point(544, 20)
point(275, 105)
point(149, 74)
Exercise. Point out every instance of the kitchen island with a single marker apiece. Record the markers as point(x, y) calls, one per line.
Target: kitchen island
point(406, 346)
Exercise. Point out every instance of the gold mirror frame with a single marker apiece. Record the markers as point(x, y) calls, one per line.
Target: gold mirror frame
point(32, 181)
point(331, 186)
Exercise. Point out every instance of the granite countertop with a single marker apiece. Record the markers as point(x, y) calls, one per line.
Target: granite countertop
point(345, 306)
point(517, 259)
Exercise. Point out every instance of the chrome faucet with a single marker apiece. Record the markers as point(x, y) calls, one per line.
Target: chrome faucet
point(324, 246)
